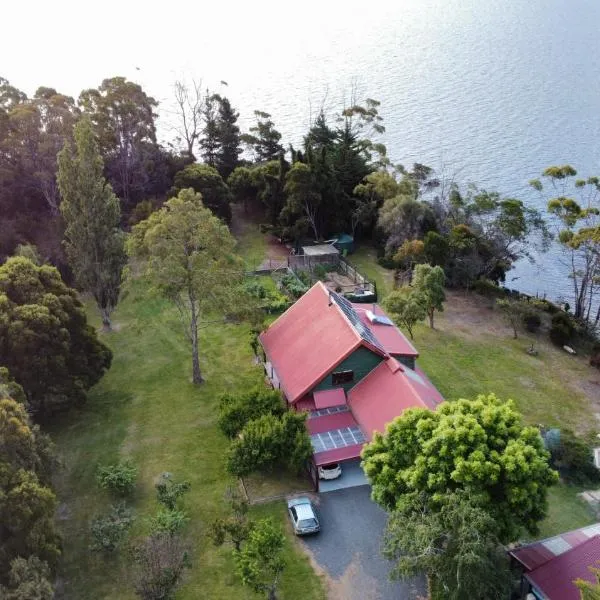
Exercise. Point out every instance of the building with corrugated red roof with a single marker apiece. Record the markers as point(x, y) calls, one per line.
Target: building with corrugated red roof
point(348, 366)
point(550, 567)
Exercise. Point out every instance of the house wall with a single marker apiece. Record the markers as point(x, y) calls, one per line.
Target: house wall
point(362, 361)
point(408, 361)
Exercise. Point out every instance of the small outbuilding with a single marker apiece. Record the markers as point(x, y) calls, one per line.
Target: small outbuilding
point(320, 254)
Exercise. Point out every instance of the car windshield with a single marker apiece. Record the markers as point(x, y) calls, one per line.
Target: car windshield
point(330, 467)
point(305, 523)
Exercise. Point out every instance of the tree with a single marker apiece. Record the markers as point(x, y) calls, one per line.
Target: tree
point(189, 257)
point(236, 410)
point(160, 563)
point(27, 503)
point(260, 562)
point(577, 222)
point(406, 306)
point(205, 180)
point(45, 339)
point(227, 157)
point(428, 282)
point(263, 138)
point(122, 115)
point(169, 491)
point(236, 526)
point(479, 446)
point(209, 142)
point(589, 590)
point(269, 442)
point(93, 240)
point(513, 312)
point(243, 186)
point(455, 546)
point(304, 197)
point(28, 580)
point(189, 101)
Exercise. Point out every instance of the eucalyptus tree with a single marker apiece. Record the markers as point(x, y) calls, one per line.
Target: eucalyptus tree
point(189, 257)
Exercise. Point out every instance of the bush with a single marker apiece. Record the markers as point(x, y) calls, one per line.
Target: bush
point(160, 561)
point(562, 329)
point(270, 442)
point(488, 288)
point(254, 288)
point(108, 531)
point(304, 277)
point(387, 262)
point(118, 479)
point(168, 521)
point(293, 286)
point(168, 491)
point(573, 459)
point(320, 271)
point(532, 321)
point(235, 410)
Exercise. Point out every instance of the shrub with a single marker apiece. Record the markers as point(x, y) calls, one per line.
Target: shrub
point(573, 459)
point(235, 410)
point(255, 288)
point(320, 271)
point(160, 562)
point(270, 442)
point(118, 479)
point(387, 262)
point(293, 286)
point(488, 288)
point(562, 329)
point(168, 521)
point(532, 320)
point(108, 531)
point(168, 491)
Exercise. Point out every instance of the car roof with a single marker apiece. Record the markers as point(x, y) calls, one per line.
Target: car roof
point(298, 501)
point(304, 511)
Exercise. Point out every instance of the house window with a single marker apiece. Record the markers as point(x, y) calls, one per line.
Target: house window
point(342, 377)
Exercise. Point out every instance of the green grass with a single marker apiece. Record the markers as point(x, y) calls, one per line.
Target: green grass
point(146, 409)
point(365, 260)
point(252, 244)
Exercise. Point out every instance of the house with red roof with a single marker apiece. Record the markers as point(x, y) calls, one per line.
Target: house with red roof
point(348, 366)
point(550, 567)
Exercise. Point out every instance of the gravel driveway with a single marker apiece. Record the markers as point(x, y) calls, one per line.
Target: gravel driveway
point(348, 548)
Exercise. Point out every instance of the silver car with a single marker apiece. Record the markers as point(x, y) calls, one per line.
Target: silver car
point(303, 516)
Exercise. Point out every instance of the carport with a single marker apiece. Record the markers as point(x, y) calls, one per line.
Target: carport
point(352, 476)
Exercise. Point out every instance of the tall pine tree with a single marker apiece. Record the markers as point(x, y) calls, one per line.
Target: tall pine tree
point(209, 142)
point(93, 241)
point(227, 158)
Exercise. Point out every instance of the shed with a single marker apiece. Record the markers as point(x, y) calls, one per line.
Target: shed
point(320, 254)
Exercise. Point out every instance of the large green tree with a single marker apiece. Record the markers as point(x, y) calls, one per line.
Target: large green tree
point(406, 306)
point(189, 257)
point(260, 561)
point(27, 502)
point(94, 242)
point(228, 154)
point(454, 545)
point(263, 139)
point(45, 339)
point(479, 446)
point(124, 122)
point(207, 181)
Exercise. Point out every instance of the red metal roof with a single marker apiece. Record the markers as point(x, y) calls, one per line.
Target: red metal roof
point(555, 578)
point(329, 398)
point(330, 422)
point(337, 455)
point(538, 553)
point(308, 340)
point(390, 337)
point(386, 392)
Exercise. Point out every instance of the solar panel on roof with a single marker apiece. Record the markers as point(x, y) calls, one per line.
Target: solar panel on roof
point(348, 310)
point(337, 438)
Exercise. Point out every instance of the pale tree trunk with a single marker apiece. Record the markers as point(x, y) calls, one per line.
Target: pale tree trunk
point(196, 374)
point(106, 322)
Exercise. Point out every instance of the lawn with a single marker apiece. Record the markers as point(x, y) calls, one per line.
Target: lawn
point(147, 410)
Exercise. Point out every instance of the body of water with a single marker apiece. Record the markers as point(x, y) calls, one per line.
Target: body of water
point(491, 90)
